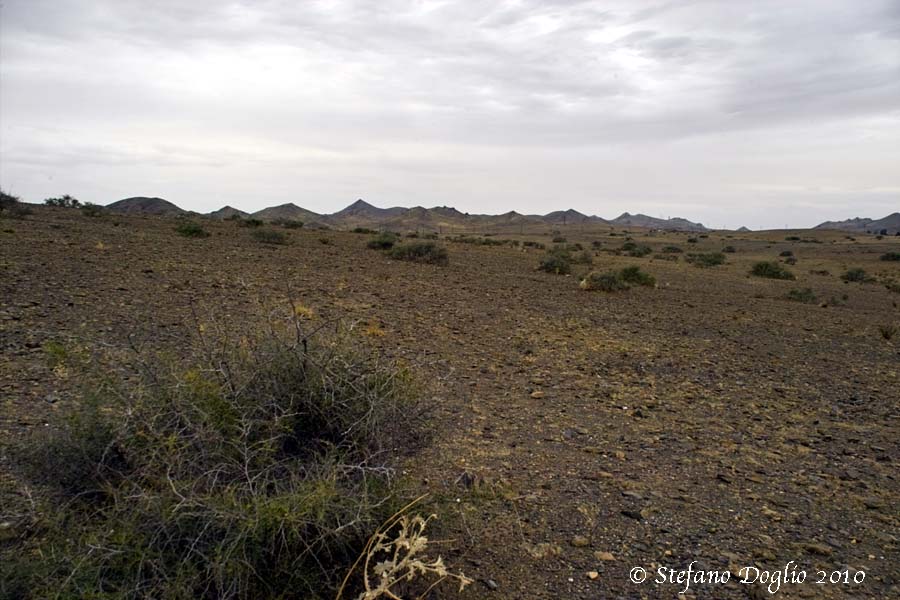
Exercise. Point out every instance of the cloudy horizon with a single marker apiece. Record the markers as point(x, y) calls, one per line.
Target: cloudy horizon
point(759, 114)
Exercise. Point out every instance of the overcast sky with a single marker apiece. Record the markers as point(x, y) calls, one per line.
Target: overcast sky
point(732, 113)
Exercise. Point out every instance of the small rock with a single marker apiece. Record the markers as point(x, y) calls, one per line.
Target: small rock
point(491, 585)
point(537, 394)
point(633, 514)
point(606, 556)
point(816, 548)
point(873, 503)
point(593, 575)
point(580, 541)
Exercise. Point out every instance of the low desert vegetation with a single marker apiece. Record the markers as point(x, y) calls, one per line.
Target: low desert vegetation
point(857, 275)
point(671, 250)
point(190, 229)
point(729, 249)
point(634, 275)
point(270, 236)
point(804, 295)
point(420, 252)
point(615, 281)
point(64, 201)
point(890, 256)
point(258, 468)
point(478, 241)
point(11, 206)
point(888, 331)
point(706, 259)
point(771, 270)
point(383, 241)
point(249, 222)
point(289, 223)
point(89, 209)
point(582, 257)
point(636, 250)
point(558, 261)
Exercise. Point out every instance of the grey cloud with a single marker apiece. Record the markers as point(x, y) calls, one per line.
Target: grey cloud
point(332, 84)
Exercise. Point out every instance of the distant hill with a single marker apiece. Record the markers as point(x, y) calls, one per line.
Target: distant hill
point(858, 224)
point(227, 212)
point(290, 212)
point(743, 230)
point(570, 217)
point(445, 218)
point(146, 206)
point(890, 223)
point(436, 219)
point(364, 212)
point(675, 223)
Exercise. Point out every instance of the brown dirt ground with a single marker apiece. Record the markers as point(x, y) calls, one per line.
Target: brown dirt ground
point(735, 427)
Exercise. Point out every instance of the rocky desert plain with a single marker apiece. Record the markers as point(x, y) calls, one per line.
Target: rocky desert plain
point(715, 419)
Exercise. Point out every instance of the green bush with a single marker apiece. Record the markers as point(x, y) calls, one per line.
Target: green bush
point(771, 270)
point(890, 256)
point(269, 236)
point(583, 258)
point(856, 275)
point(558, 239)
point(250, 222)
point(671, 250)
point(635, 276)
point(257, 471)
point(191, 230)
point(786, 253)
point(805, 295)
point(556, 263)
point(614, 281)
point(706, 259)
point(383, 241)
point(363, 230)
point(692, 240)
point(558, 260)
point(603, 282)
point(65, 201)
point(729, 249)
point(640, 251)
point(420, 252)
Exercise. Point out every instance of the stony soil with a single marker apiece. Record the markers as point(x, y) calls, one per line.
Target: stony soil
point(577, 434)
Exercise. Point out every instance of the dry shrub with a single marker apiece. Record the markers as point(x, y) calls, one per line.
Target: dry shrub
point(256, 468)
point(771, 270)
point(615, 281)
point(396, 556)
point(420, 252)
